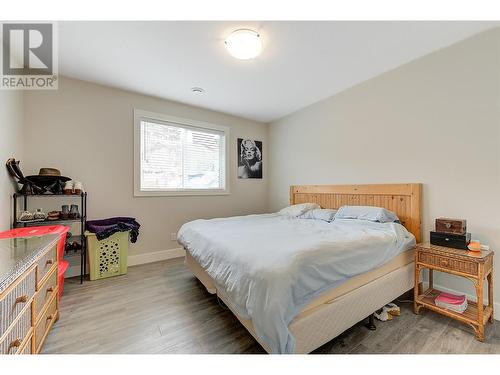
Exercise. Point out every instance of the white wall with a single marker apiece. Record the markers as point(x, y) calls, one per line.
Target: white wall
point(86, 130)
point(435, 120)
point(11, 145)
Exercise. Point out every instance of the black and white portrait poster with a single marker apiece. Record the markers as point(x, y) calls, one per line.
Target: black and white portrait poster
point(249, 158)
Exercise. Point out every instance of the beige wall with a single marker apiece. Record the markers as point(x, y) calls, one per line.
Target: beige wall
point(435, 120)
point(86, 130)
point(11, 145)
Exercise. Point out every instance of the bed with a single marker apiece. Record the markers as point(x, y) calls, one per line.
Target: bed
point(294, 321)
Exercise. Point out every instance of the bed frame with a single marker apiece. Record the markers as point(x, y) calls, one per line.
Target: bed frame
point(317, 326)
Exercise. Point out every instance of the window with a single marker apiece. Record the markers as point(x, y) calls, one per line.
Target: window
point(178, 157)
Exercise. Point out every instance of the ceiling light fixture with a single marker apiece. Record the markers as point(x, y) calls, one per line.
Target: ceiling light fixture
point(244, 44)
point(197, 90)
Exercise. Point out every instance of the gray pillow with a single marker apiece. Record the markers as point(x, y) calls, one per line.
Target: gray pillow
point(325, 214)
point(298, 209)
point(370, 213)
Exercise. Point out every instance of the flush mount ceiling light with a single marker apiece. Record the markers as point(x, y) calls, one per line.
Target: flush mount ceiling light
point(244, 44)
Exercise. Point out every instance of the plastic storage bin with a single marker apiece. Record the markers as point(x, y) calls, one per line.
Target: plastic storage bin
point(61, 230)
point(107, 257)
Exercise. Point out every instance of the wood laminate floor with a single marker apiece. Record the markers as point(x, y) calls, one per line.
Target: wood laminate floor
point(161, 308)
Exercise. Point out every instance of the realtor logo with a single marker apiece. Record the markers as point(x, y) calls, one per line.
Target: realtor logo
point(29, 58)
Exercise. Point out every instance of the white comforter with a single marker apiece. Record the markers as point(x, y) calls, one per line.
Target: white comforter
point(272, 266)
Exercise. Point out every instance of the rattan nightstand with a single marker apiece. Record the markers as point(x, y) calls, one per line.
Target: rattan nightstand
point(473, 266)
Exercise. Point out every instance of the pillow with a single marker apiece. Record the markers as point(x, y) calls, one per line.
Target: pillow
point(325, 214)
point(298, 209)
point(370, 213)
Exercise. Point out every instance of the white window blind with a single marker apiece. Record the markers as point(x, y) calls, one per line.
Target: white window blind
point(176, 157)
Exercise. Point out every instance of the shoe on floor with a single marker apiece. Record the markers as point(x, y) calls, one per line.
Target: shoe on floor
point(382, 315)
point(392, 309)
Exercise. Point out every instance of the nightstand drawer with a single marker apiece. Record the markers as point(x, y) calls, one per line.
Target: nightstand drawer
point(463, 266)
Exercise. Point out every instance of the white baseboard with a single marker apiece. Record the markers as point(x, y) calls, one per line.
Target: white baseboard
point(156, 256)
point(496, 305)
point(134, 260)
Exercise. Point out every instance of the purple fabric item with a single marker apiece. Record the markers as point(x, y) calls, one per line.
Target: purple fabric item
point(106, 227)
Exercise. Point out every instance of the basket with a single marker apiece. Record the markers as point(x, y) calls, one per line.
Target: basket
point(107, 257)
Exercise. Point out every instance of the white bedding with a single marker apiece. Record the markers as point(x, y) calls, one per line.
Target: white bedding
point(271, 266)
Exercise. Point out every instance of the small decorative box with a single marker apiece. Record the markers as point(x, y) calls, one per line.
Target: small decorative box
point(458, 241)
point(447, 225)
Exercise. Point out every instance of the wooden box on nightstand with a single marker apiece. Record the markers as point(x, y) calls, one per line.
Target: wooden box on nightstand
point(475, 266)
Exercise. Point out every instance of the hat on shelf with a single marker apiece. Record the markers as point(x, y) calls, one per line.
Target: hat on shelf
point(46, 175)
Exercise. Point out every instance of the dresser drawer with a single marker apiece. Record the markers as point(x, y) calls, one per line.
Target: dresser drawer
point(45, 293)
point(45, 263)
point(12, 341)
point(451, 264)
point(45, 323)
point(16, 299)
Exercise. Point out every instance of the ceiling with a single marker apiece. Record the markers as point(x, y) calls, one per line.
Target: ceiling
point(301, 62)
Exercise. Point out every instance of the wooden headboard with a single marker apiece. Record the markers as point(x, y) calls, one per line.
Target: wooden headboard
point(402, 199)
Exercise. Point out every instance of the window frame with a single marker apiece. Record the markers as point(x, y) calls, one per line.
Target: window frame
point(141, 115)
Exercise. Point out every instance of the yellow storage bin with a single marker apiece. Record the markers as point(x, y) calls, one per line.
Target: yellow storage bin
point(107, 257)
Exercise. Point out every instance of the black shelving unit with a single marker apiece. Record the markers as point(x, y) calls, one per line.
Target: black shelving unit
point(82, 220)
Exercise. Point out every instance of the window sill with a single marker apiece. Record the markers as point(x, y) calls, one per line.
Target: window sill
point(180, 193)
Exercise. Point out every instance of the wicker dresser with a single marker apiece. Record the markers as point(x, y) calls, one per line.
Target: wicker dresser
point(28, 293)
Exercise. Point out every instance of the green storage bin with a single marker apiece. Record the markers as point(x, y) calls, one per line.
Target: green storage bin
point(107, 257)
